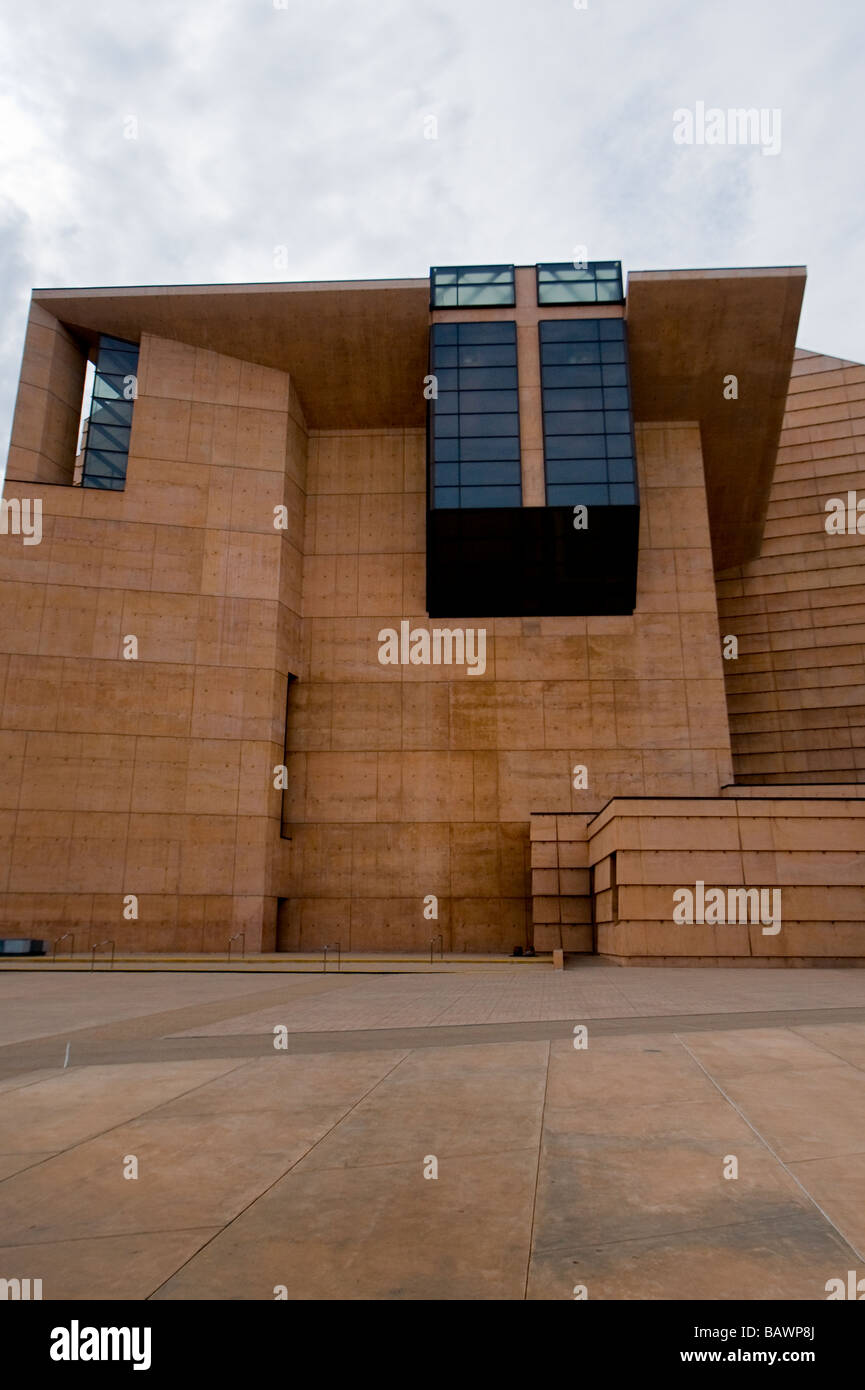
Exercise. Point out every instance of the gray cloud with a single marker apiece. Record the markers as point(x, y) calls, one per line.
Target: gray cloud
point(303, 127)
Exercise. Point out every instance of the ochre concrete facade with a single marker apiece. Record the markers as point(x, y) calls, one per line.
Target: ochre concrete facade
point(258, 647)
point(415, 780)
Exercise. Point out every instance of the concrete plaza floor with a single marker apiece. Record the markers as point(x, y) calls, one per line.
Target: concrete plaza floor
point(302, 1168)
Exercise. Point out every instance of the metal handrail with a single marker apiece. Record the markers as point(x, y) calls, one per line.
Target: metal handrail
point(238, 936)
point(63, 938)
point(440, 939)
point(334, 946)
point(98, 946)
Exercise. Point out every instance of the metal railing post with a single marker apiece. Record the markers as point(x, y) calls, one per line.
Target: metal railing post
point(96, 947)
point(63, 938)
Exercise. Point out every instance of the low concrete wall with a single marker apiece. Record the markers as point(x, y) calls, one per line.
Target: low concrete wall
point(807, 853)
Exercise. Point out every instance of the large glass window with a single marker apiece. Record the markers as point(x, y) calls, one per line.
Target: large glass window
point(109, 425)
point(474, 420)
point(472, 286)
point(596, 282)
point(588, 431)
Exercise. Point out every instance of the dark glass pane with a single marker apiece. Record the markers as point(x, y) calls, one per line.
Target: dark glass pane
point(571, 376)
point(109, 484)
point(108, 386)
point(119, 363)
point(572, 494)
point(613, 352)
point(585, 424)
point(490, 496)
point(569, 330)
point(487, 356)
point(574, 422)
point(444, 334)
point(488, 378)
point(447, 496)
point(576, 471)
point(475, 402)
point(447, 474)
point(576, 354)
point(623, 494)
point(475, 421)
point(608, 292)
point(102, 464)
point(122, 343)
point(615, 376)
point(445, 297)
point(502, 331)
point(581, 398)
point(108, 437)
point(489, 425)
point(107, 411)
point(475, 474)
point(620, 447)
point(621, 470)
point(617, 421)
point(447, 378)
point(444, 357)
point(574, 446)
point(507, 448)
point(446, 450)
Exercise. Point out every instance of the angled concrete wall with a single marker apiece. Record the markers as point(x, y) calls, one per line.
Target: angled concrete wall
point(797, 691)
point(48, 405)
point(154, 776)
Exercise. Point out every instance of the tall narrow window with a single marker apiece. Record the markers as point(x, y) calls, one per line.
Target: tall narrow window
point(109, 424)
point(474, 419)
point(284, 827)
point(588, 430)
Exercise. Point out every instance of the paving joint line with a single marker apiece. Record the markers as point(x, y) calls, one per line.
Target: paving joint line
point(529, 1251)
point(133, 1119)
point(777, 1157)
point(284, 1174)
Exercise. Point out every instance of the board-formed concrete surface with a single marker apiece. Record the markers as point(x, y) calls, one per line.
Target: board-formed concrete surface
point(306, 1171)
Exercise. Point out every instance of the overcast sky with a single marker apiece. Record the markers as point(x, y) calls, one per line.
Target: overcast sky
point(304, 124)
